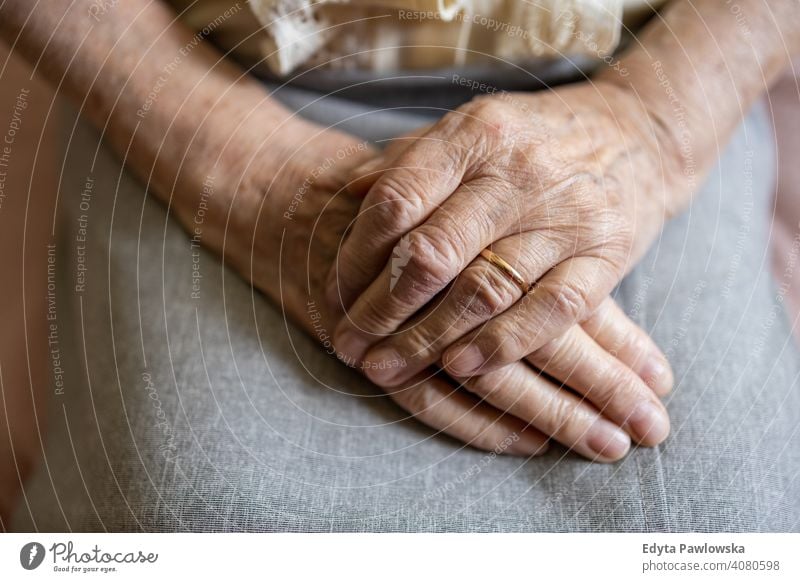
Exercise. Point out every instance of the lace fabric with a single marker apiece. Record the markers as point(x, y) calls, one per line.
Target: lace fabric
point(509, 29)
point(387, 35)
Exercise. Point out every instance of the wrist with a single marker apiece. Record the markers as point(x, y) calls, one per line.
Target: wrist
point(662, 137)
point(232, 135)
point(261, 163)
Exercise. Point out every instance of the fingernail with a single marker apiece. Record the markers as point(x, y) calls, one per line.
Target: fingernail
point(529, 443)
point(650, 423)
point(385, 367)
point(658, 375)
point(607, 440)
point(465, 361)
point(350, 347)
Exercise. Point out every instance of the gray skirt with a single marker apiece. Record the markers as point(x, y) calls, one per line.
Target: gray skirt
point(179, 412)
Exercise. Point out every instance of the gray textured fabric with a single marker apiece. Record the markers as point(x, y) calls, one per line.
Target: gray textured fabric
point(258, 442)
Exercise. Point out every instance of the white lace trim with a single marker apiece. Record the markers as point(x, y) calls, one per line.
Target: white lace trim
point(299, 29)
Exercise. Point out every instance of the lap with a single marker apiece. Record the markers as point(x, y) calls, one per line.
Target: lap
point(189, 403)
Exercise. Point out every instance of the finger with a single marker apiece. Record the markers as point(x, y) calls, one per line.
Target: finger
point(400, 200)
point(630, 344)
point(423, 176)
point(443, 407)
point(424, 263)
point(480, 292)
point(556, 412)
point(577, 361)
point(569, 293)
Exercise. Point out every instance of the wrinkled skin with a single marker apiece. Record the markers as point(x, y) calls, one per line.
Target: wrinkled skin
point(567, 185)
point(515, 409)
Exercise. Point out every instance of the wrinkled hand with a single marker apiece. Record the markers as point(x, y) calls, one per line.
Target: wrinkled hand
point(288, 259)
point(514, 410)
point(564, 186)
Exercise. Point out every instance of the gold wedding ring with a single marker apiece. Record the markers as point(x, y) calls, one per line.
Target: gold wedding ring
point(509, 271)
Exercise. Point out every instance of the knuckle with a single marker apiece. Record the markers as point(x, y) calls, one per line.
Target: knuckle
point(486, 109)
point(622, 232)
point(504, 342)
point(636, 348)
point(368, 318)
point(616, 235)
point(576, 195)
point(418, 343)
point(560, 417)
point(487, 117)
point(618, 385)
point(394, 205)
point(568, 303)
point(372, 317)
point(483, 292)
point(432, 261)
point(606, 226)
point(512, 341)
point(478, 108)
point(545, 355)
point(499, 386)
point(561, 354)
point(481, 386)
point(485, 437)
point(567, 349)
point(586, 184)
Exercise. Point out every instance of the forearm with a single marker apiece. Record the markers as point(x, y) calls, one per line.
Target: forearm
point(699, 66)
point(162, 99)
